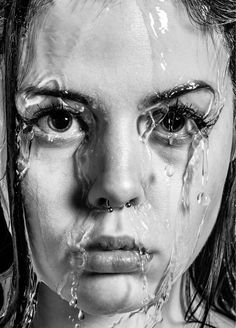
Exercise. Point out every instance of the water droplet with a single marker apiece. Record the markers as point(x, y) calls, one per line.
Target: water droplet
point(203, 199)
point(72, 303)
point(169, 169)
point(80, 315)
point(80, 108)
point(74, 290)
point(50, 138)
point(189, 171)
point(204, 146)
point(170, 139)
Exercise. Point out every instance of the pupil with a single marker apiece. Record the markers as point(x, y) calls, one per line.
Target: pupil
point(60, 121)
point(173, 122)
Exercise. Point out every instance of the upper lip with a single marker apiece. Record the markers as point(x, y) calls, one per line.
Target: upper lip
point(110, 243)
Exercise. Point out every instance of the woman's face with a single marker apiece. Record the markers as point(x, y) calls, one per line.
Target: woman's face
point(126, 103)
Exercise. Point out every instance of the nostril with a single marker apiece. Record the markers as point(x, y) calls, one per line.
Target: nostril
point(102, 203)
point(106, 204)
point(132, 202)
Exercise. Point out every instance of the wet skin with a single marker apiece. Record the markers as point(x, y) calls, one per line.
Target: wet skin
point(118, 58)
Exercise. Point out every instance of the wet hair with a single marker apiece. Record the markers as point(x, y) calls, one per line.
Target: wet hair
point(210, 281)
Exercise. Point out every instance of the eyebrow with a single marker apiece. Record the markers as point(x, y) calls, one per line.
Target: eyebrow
point(148, 101)
point(60, 93)
point(175, 92)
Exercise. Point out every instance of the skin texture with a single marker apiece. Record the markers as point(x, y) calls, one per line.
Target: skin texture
point(118, 56)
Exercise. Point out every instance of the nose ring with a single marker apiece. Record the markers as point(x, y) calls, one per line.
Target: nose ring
point(110, 209)
point(128, 204)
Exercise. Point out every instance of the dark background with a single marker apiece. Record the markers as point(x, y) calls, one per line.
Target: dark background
point(6, 253)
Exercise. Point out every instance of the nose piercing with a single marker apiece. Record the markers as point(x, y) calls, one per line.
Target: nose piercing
point(110, 209)
point(108, 206)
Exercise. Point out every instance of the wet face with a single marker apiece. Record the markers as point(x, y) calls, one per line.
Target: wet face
point(124, 105)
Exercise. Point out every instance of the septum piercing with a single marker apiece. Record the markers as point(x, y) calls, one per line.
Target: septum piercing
point(108, 206)
point(110, 209)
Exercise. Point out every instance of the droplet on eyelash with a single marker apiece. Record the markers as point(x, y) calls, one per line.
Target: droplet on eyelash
point(203, 199)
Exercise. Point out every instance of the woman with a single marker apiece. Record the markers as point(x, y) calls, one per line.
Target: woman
point(120, 162)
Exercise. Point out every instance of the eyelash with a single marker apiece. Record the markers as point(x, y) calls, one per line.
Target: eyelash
point(45, 111)
point(188, 113)
point(177, 110)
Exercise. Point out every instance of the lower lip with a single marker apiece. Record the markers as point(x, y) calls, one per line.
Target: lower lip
point(116, 261)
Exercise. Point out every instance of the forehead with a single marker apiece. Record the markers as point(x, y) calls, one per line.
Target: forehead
point(127, 40)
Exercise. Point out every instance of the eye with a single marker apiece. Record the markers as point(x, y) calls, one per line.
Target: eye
point(60, 121)
point(175, 126)
point(173, 122)
point(59, 125)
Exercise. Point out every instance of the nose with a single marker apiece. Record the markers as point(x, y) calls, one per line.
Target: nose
point(118, 179)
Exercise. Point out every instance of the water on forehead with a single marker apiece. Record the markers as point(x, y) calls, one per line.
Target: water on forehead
point(123, 38)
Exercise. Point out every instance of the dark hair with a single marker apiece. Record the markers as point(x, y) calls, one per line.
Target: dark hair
point(213, 272)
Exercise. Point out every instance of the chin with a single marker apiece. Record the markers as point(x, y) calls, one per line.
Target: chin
point(101, 307)
point(106, 294)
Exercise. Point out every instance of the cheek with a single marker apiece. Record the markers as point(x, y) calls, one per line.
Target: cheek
point(46, 192)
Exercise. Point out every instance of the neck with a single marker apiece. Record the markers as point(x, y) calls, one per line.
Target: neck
point(53, 312)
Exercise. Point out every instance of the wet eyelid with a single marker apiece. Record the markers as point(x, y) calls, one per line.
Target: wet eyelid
point(202, 100)
point(29, 104)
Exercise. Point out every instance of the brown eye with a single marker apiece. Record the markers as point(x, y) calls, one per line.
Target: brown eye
point(173, 122)
point(60, 121)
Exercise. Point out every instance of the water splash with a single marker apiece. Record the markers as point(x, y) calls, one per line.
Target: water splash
point(147, 297)
point(24, 140)
point(74, 299)
point(156, 22)
point(149, 128)
point(204, 146)
point(192, 162)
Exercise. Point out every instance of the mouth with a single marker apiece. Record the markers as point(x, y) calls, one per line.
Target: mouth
point(109, 254)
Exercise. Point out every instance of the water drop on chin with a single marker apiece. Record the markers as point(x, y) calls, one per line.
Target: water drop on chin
point(203, 199)
point(169, 169)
